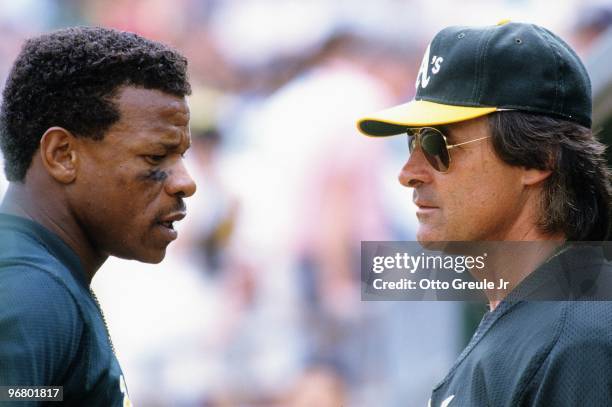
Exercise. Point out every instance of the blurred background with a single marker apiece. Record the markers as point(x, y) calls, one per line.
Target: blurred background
point(258, 302)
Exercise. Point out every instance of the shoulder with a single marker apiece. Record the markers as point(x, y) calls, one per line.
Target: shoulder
point(28, 287)
point(568, 326)
point(40, 326)
point(37, 299)
point(578, 367)
point(25, 258)
point(587, 321)
point(20, 248)
point(587, 331)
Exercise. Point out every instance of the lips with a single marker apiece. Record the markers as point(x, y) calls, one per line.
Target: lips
point(169, 225)
point(425, 210)
point(169, 220)
point(166, 223)
point(424, 199)
point(425, 205)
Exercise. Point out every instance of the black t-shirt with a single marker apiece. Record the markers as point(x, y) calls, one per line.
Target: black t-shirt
point(51, 330)
point(530, 352)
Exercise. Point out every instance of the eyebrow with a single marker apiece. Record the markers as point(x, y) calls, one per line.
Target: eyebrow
point(181, 116)
point(170, 145)
point(167, 146)
point(448, 133)
point(168, 137)
point(444, 129)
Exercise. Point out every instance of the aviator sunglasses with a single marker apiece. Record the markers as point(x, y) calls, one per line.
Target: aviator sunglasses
point(434, 146)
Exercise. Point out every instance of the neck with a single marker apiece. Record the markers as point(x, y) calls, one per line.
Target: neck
point(512, 261)
point(521, 248)
point(55, 215)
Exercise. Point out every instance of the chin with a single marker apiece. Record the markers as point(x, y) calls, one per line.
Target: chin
point(151, 257)
point(427, 235)
point(432, 245)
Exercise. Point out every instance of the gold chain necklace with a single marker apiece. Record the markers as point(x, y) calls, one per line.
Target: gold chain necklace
point(110, 341)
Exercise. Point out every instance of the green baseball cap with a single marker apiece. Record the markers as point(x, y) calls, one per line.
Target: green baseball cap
point(468, 72)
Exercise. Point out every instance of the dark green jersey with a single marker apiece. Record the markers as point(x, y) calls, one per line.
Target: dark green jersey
point(51, 330)
point(549, 343)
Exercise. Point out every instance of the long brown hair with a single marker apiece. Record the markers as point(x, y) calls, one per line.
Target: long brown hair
point(576, 198)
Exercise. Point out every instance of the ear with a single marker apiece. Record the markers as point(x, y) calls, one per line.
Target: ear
point(58, 154)
point(533, 176)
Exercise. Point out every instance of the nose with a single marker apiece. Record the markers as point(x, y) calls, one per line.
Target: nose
point(180, 183)
point(416, 171)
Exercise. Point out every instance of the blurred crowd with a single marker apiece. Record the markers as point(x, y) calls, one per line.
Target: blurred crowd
point(258, 303)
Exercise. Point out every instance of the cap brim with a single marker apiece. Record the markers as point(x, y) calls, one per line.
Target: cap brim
point(417, 113)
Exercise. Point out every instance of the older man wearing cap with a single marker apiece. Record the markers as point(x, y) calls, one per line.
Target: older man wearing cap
point(501, 150)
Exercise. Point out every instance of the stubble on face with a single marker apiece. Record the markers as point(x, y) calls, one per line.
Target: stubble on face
point(479, 198)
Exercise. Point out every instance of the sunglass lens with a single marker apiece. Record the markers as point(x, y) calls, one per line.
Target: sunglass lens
point(411, 142)
point(434, 149)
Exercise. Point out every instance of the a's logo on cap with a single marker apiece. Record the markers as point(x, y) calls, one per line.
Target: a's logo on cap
point(423, 75)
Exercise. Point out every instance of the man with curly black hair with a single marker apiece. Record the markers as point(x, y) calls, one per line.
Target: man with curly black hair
point(94, 127)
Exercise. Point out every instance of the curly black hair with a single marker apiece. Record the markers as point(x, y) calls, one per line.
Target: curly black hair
point(69, 78)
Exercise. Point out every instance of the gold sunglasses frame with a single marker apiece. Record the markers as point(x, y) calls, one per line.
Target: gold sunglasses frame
point(416, 133)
